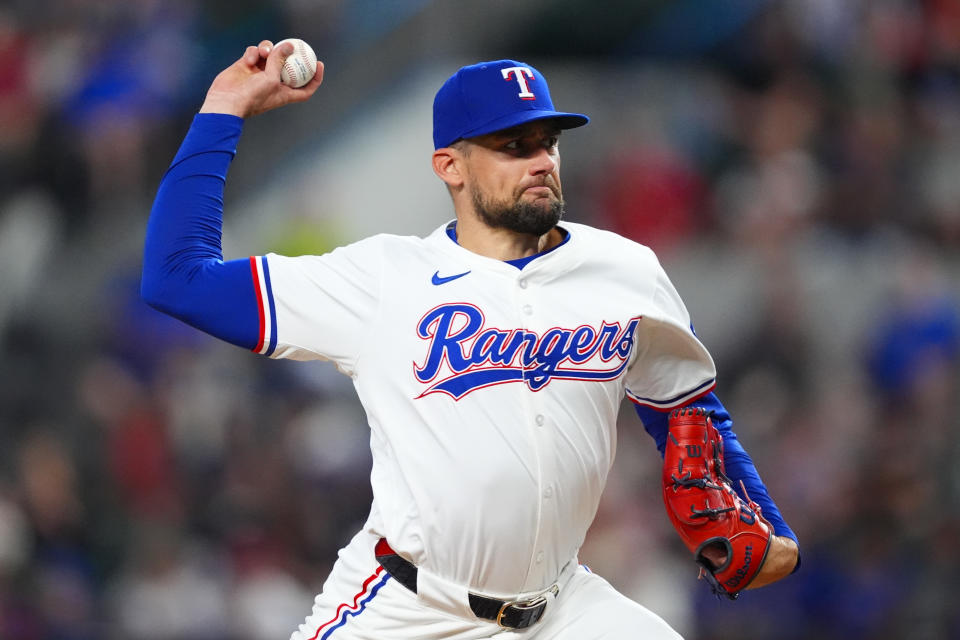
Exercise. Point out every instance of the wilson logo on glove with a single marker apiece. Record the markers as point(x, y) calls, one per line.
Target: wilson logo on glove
point(743, 571)
point(710, 517)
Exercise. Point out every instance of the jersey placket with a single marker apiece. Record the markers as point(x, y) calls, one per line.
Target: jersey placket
point(537, 419)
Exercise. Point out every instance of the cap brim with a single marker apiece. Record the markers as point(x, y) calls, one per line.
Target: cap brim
point(563, 120)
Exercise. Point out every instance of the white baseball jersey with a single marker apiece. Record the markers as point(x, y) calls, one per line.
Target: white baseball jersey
point(491, 392)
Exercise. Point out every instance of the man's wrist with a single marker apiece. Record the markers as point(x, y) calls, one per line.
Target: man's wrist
point(225, 104)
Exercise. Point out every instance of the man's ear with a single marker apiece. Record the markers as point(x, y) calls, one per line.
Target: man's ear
point(448, 164)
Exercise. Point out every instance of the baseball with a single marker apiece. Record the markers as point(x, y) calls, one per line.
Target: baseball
point(300, 66)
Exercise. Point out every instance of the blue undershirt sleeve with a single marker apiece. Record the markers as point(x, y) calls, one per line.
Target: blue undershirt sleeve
point(184, 274)
point(736, 461)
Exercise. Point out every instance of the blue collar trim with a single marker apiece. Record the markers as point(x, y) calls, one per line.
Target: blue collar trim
point(519, 263)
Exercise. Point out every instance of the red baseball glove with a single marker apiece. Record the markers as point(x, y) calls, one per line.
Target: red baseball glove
point(710, 517)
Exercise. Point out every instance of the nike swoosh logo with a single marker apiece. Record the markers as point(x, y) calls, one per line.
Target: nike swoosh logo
point(437, 279)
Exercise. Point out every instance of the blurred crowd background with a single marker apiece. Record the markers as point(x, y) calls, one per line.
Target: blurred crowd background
point(795, 164)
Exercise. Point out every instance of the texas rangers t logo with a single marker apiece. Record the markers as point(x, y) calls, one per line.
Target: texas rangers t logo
point(466, 355)
point(518, 73)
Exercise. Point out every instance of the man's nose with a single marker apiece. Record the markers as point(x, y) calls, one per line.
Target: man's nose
point(543, 162)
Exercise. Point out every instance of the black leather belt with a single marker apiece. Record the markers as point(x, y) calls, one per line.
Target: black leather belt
point(516, 614)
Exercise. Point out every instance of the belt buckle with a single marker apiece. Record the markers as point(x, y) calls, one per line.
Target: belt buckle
point(526, 605)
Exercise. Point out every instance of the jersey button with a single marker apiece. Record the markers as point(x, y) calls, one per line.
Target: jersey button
point(548, 492)
point(527, 309)
point(539, 557)
point(540, 420)
point(522, 284)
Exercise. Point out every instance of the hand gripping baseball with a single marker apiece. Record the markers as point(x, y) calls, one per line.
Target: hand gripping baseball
point(252, 84)
point(728, 537)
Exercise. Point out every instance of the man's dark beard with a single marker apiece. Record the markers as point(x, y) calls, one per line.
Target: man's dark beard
point(522, 217)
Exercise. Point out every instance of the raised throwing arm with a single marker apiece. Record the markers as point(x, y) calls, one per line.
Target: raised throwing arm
point(184, 274)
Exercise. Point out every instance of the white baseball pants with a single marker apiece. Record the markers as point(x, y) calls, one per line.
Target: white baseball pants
point(361, 601)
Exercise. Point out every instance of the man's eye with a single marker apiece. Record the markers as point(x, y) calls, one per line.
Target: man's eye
point(513, 145)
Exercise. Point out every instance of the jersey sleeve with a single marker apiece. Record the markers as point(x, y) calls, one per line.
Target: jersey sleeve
point(319, 307)
point(305, 307)
point(671, 366)
point(184, 274)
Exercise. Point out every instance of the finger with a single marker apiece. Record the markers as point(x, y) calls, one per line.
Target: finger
point(315, 81)
point(251, 56)
point(276, 58)
point(303, 93)
point(318, 76)
point(265, 48)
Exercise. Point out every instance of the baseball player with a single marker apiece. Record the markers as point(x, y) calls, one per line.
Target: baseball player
point(491, 357)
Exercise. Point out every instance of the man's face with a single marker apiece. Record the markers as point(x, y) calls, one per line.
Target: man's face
point(513, 177)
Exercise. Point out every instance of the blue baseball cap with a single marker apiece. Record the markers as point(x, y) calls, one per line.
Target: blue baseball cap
point(490, 96)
